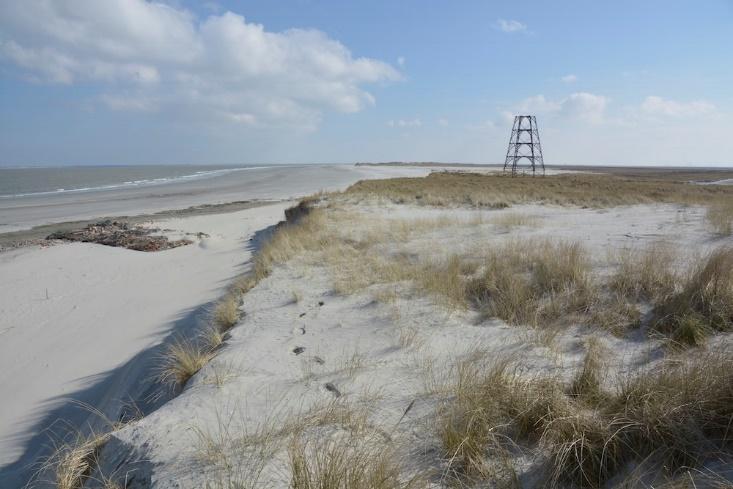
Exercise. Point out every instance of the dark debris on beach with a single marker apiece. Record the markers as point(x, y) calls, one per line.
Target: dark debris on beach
point(119, 234)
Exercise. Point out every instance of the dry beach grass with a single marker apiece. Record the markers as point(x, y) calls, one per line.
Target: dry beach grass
point(678, 412)
point(613, 363)
point(592, 432)
point(498, 190)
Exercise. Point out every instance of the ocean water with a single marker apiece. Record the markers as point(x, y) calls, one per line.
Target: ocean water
point(21, 182)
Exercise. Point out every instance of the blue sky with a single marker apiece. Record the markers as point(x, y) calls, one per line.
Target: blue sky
point(134, 82)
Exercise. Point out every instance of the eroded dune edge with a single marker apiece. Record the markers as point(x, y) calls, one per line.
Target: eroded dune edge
point(457, 330)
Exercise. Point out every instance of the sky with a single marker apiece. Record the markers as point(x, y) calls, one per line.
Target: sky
point(337, 81)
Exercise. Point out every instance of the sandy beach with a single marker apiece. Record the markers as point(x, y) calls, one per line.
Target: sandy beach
point(79, 323)
point(269, 183)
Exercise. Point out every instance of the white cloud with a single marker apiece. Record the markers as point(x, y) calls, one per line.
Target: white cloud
point(657, 106)
point(510, 26)
point(585, 106)
point(569, 78)
point(443, 122)
point(405, 123)
point(401, 60)
point(580, 105)
point(221, 66)
point(243, 118)
point(538, 103)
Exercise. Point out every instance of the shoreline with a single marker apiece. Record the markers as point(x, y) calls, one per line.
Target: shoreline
point(270, 183)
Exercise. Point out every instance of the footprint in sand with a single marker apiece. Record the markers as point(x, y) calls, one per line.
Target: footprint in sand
point(332, 389)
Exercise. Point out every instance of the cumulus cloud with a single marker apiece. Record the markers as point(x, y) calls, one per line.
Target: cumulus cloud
point(580, 106)
point(538, 103)
point(153, 56)
point(569, 78)
point(510, 26)
point(657, 106)
point(586, 106)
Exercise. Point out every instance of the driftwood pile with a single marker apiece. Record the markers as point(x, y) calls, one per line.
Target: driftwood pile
point(120, 234)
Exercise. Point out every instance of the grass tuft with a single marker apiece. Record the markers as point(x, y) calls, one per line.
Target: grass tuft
point(585, 449)
point(588, 381)
point(212, 338)
point(533, 283)
point(180, 361)
point(704, 304)
point(343, 461)
point(681, 409)
point(648, 273)
point(491, 406)
point(243, 284)
point(226, 312)
point(74, 462)
point(615, 314)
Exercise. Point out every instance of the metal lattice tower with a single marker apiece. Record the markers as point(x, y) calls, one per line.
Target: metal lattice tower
point(524, 143)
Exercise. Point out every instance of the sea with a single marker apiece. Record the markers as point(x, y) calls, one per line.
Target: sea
point(28, 181)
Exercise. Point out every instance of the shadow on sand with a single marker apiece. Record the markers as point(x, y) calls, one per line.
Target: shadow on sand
point(119, 394)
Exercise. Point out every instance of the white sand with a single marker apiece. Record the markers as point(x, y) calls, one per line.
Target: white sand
point(95, 336)
point(80, 321)
point(104, 305)
point(361, 343)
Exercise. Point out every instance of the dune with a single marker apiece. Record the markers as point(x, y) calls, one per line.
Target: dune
point(80, 321)
point(82, 325)
point(458, 329)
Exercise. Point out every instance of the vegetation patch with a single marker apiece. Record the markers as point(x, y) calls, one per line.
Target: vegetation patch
point(533, 283)
point(648, 273)
point(536, 282)
point(226, 312)
point(677, 414)
point(344, 461)
point(74, 463)
point(496, 190)
point(704, 303)
point(181, 360)
point(720, 217)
